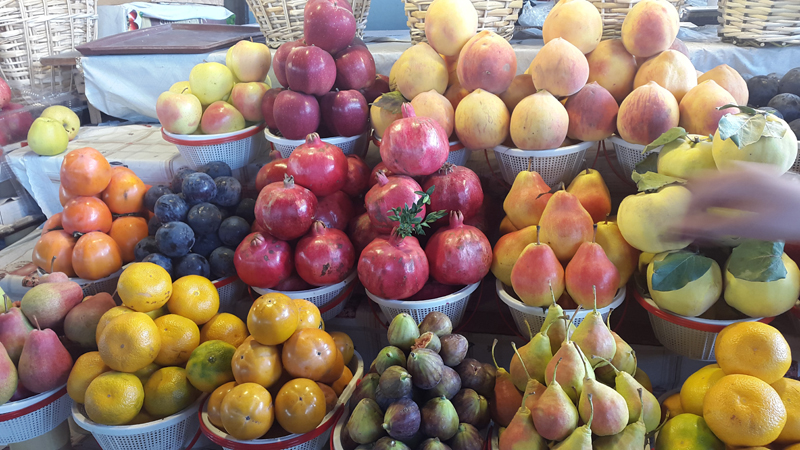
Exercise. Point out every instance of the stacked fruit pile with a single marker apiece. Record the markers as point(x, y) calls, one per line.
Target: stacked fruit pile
point(196, 223)
point(432, 396)
point(14, 126)
point(328, 56)
point(743, 401)
point(779, 95)
point(219, 98)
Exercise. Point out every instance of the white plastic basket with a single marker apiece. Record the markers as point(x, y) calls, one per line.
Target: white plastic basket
point(177, 431)
point(313, 440)
point(628, 154)
point(329, 299)
point(236, 149)
point(32, 417)
point(230, 290)
point(691, 337)
point(354, 145)
point(796, 166)
point(555, 166)
point(536, 315)
point(453, 305)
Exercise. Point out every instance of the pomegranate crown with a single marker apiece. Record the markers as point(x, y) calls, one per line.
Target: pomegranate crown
point(406, 217)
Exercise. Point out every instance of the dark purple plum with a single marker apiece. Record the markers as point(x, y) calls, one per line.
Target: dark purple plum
point(204, 218)
point(229, 191)
point(161, 260)
point(145, 247)
point(171, 208)
point(153, 225)
point(198, 188)
point(174, 239)
point(153, 194)
point(216, 169)
point(233, 231)
point(221, 261)
point(177, 179)
point(204, 244)
point(192, 264)
point(246, 210)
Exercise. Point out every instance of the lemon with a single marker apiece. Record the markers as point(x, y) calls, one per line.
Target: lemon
point(695, 387)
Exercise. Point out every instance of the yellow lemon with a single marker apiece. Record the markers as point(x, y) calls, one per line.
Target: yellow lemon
point(695, 387)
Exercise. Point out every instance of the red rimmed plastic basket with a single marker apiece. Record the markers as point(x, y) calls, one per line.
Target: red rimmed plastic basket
point(236, 149)
point(313, 440)
point(628, 154)
point(230, 290)
point(178, 431)
point(535, 315)
point(687, 336)
point(453, 305)
point(555, 166)
point(459, 155)
point(354, 145)
point(329, 299)
point(34, 416)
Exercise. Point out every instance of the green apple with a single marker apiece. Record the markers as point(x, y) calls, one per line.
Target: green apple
point(181, 87)
point(47, 137)
point(249, 61)
point(69, 120)
point(179, 113)
point(210, 82)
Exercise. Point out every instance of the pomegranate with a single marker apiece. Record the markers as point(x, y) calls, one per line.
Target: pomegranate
point(335, 210)
point(268, 107)
point(324, 256)
point(358, 174)
point(390, 193)
point(279, 60)
point(393, 267)
point(459, 254)
point(414, 145)
point(434, 289)
point(263, 261)
point(257, 228)
point(271, 172)
point(373, 176)
point(361, 232)
point(318, 165)
point(285, 209)
point(293, 283)
point(457, 189)
point(329, 24)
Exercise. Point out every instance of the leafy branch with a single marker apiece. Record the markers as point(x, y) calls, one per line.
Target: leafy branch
point(408, 222)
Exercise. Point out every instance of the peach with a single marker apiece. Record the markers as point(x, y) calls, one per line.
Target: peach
point(559, 68)
point(435, 106)
point(449, 24)
point(246, 97)
point(481, 120)
point(680, 46)
point(671, 69)
point(419, 69)
point(452, 65)
point(730, 80)
point(647, 113)
point(577, 21)
point(455, 93)
point(521, 87)
point(650, 27)
point(382, 118)
point(487, 62)
point(699, 114)
point(612, 67)
point(539, 122)
point(592, 114)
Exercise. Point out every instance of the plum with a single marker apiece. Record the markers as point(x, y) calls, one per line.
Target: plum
point(246, 209)
point(161, 260)
point(790, 83)
point(229, 191)
point(788, 105)
point(795, 126)
point(216, 169)
point(174, 239)
point(198, 187)
point(772, 111)
point(204, 218)
point(153, 225)
point(192, 264)
point(221, 261)
point(233, 230)
point(171, 208)
point(145, 247)
point(177, 180)
point(762, 89)
point(153, 194)
point(204, 244)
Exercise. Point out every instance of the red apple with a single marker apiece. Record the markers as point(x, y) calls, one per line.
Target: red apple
point(329, 25)
point(179, 113)
point(247, 97)
point(379, 87)
point(279, 60)
point(296, 114)
point(345, 112)
point(5, 94)
point(310, 70)
point(267, 105)
point(355, 67)
point(221, 117)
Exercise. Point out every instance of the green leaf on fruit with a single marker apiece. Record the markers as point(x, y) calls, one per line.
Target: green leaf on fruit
point(651, 181)
point(677, 270)
point(757, 261)
point(406, 217)
point(745, 109)
point(667, 137)
point(775, 129)
point(649, 164)
point(391, 101)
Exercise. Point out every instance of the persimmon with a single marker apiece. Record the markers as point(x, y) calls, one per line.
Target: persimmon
point(85, 172)
point(309, 353)
point(247, 412)
point(86, 214)
point(125, 192)
point(127, 232)
point(335, 370)
point(300, 406)
point(96, 256)
point(53, 223)
point(56, 244)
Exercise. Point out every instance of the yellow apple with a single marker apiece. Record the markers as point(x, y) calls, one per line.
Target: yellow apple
point(179, 113)
point(210, 82)
point(47, 137)
point(68, 119)
point(249, 61)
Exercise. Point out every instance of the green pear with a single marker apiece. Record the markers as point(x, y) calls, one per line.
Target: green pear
point(573, 371)
point(521, 434)
point(49, 303)
point(629, 388)
point(554, 413)
point(624, 359)
point(609, 409)
point(8, 376)
point(556, 328)
point(648, 221)
point(594, 338)
point(631, 438)
point(581, 438)
point(535, 355)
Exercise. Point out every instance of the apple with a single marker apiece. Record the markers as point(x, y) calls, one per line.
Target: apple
point(66, 116)
point(355, 67)
point(246, 97)
point(47, 137)
point(210, 82)
point(279, 62)
point(221, 117)
point(181, 87)
point(249, 61)
point(329, 25)
point(310, 70)
point(179, 113)
point(5, 94)
point(267, 107)
point(345, 113)
point(16, 123)
point(296, 114)
point(379, 87)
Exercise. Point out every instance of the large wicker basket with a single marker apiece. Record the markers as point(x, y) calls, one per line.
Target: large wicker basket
point(282, 20)
point(32, 29)
point(760, 22)
point(495, 15)
point(614, 12)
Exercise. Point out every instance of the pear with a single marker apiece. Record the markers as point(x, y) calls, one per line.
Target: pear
point(44, 363)
point(9, 379)
point(507, 250)
point(593, 194)
point(594, 338)
point(527, 199)
point(637, 397)
point(14, 328)
point(535, 354)
point(565, 225)
point(80, 324)
point(624, 359)
point(556, 327)
point(624, 257)
point(590, 277)
point(506, 226)
point(581, 438)
point(507, 398)
point(521, 434)
point(537, 272)
point(554, 414)
point(533, 391)
point(610, 411)
point(631, 438)
point(50, 302)
point(573, 371)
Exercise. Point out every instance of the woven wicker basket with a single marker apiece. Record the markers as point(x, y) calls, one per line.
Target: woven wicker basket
point(282, 20)
point(760, 22)
point(614, 12)
point(493, 15)
point(32, 29)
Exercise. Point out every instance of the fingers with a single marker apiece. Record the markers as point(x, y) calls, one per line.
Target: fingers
point(751, 226)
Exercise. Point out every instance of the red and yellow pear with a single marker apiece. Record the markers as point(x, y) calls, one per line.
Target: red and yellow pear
point(591, 271)
point(527, 199)
point(624, 257)
point(593, 194)
point(538, 275)
point(565, 225)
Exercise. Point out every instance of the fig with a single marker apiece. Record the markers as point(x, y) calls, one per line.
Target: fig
point(437, 323)
point(347, 442)
point(448, 387)
point(402, 419)
point(472, 408)
point(425, 367)
point(439, 419)
point(428, 340)
point(475, 376)
point(403, 331)
point(366, 424)
point(453, 349)
point(395, 382)
point(467, 437)
point(388, 357)
point(387, 443)
point(415, 441)
point(365, 389)
point(433, 444)
point(383, 400)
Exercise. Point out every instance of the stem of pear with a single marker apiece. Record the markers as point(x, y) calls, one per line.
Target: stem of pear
point(594, 292)
point(36, 321)
point(530, 333)
point(52, 264)
point(594, 234)
point(555, 370)
point(494, 344)
point(538, 229)
point(591, 417)
point(514, 346)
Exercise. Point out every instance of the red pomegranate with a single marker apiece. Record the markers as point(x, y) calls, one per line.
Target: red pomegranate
point(393, 267)
point(373, 176)
point(293, 283)
point(415, 146)
point(286, 209)
point(433, 289)
point(459, 254)
point(318, 165)
point(335, 210)
point(361, 232)
point(457, 189)
point(271, 172)
point(358, 174)
point(390, 193)
point(263, 261)
point(324, 256)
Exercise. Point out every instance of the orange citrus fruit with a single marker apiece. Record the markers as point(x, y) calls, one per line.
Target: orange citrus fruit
point(344, 344)
point(789, 392)
point(755, 349)
point(194, 297)
point(309, 315)
point(146, 372)
point(129, 342)
point(695, 387)
point(168, 391)
point(309, 353)
point(144, 286)
point(107, 317)
point(224, 327)
point(87, 367)
point(179, 337)
point(273, 319)
point(114, 398)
